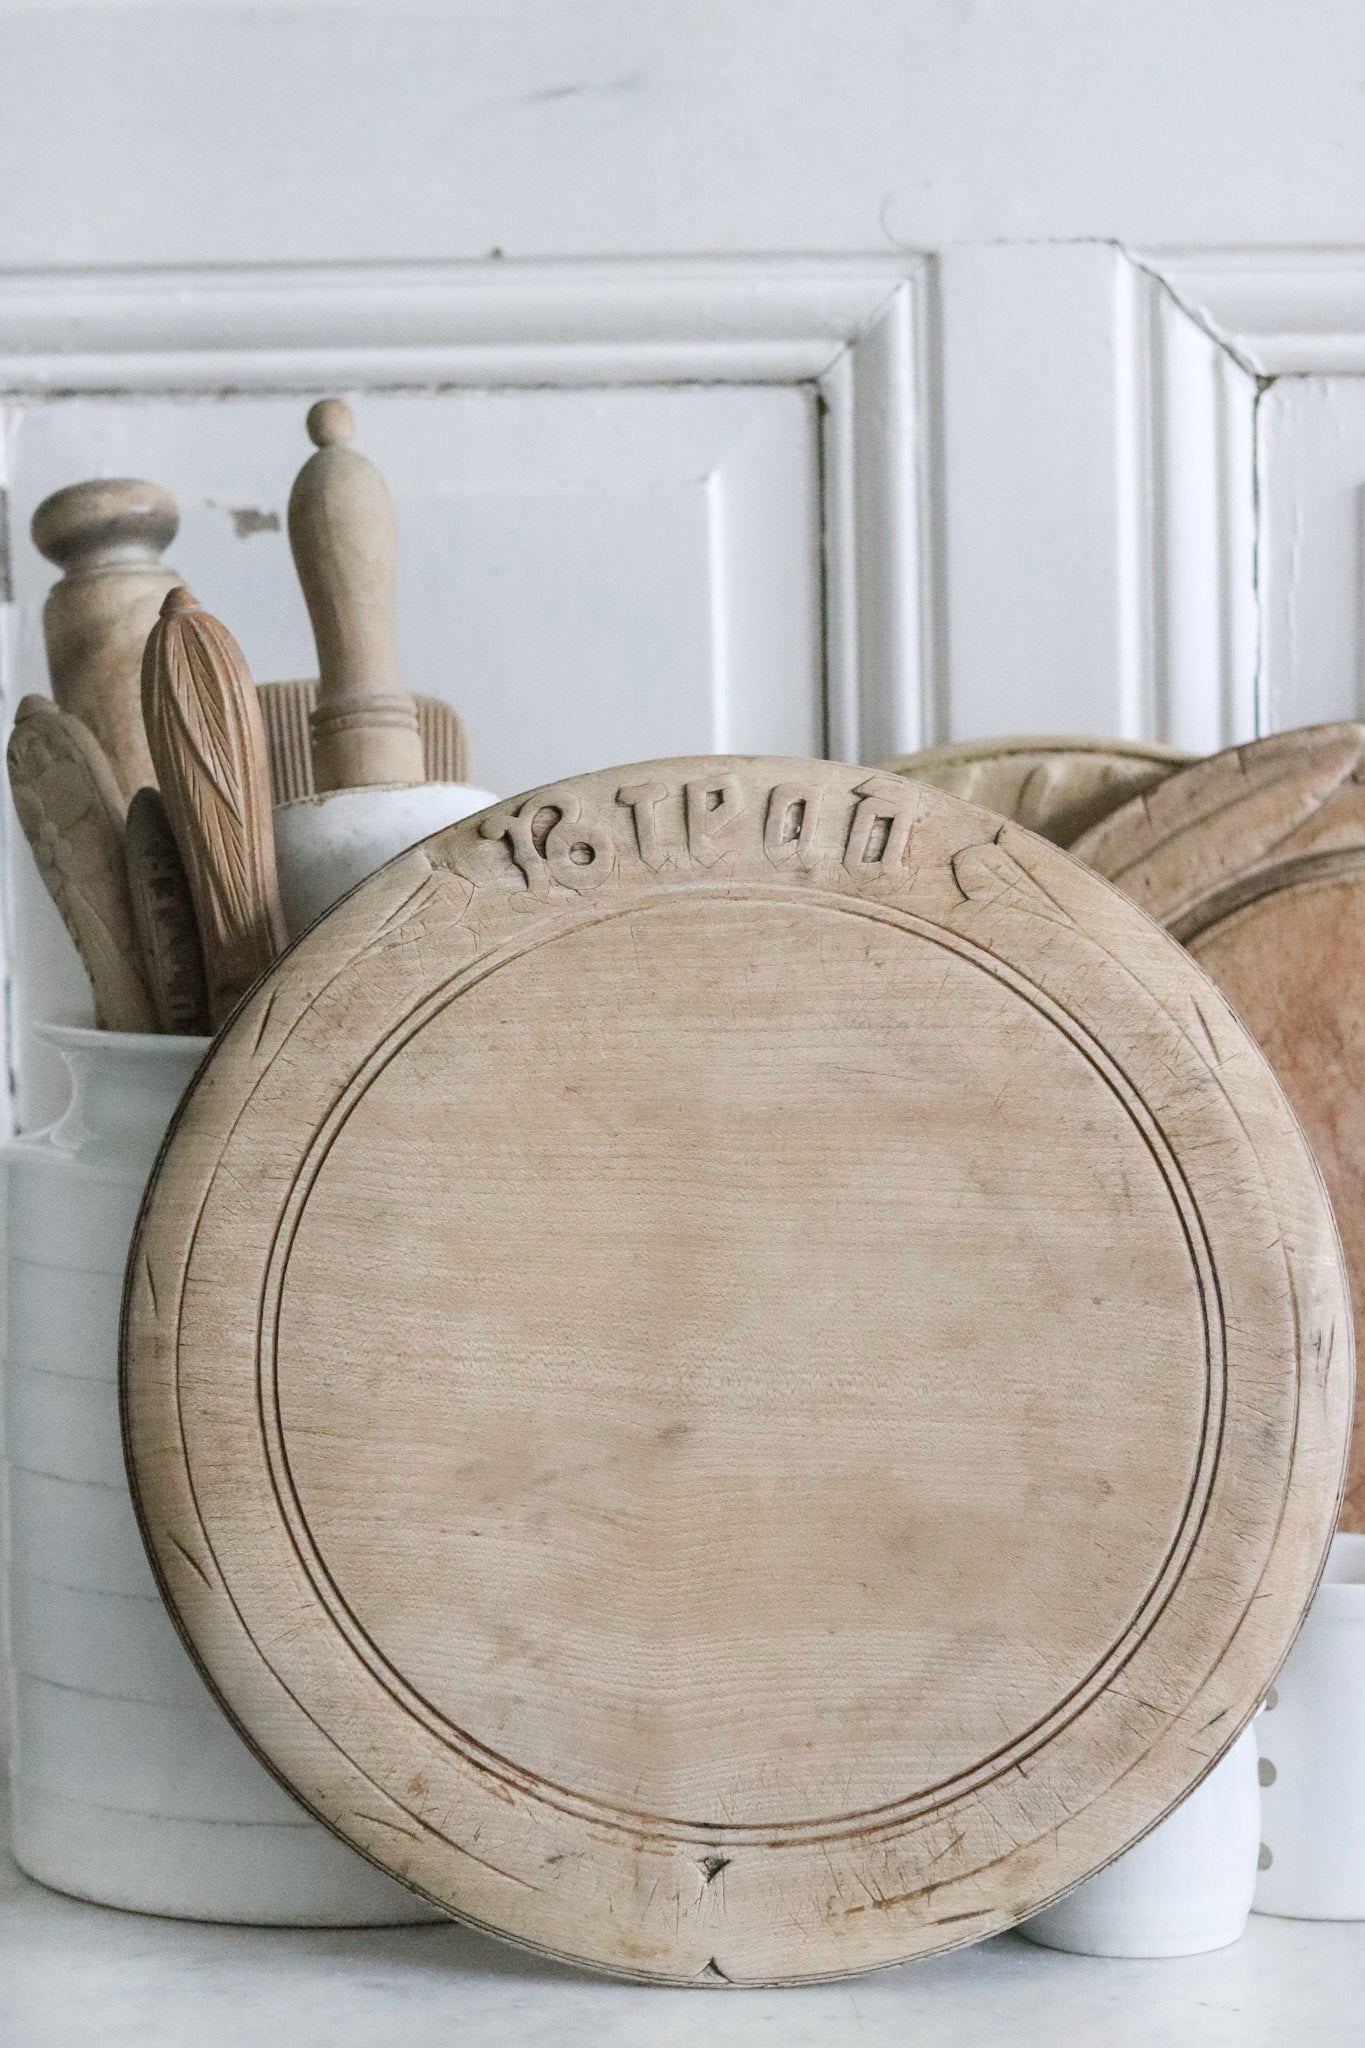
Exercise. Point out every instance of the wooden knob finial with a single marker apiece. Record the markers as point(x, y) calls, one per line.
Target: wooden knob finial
point(330, 421)
point(344, 536)
point(107, 535)
point(179, 600)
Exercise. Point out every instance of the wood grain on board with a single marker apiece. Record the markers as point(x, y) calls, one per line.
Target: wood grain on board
point(207, 740)
point(737, 1370)
point(1256, 860)
point(1058, 786)
point(71, 809)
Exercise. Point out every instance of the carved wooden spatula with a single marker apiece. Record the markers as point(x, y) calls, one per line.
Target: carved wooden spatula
point(71, 810)
point(208, 743)
point(163, 912)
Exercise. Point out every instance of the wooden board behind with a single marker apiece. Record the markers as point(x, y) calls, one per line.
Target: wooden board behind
point(1256, 859)
point(737, 1371)
point(1058, 786)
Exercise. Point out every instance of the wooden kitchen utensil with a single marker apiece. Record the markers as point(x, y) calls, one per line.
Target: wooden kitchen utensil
point(1056, 786)
point(737, 1370)
point(72, 813)
point(108, 536)
point(208, 743)
point(163, 912)
point(287, 707)
point(1256, 860)
point(345, 541)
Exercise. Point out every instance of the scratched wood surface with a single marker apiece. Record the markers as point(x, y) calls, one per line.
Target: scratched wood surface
point(737, 1370)
point(1059, 785)
point(1256, 860)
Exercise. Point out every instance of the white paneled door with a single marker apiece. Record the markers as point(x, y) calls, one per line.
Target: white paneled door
point(762, 376)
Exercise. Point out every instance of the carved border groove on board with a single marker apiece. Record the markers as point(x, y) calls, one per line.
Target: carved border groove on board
point(838, 839)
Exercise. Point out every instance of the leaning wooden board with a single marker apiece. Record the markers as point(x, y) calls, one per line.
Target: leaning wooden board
point(1256, 860)
point(1059, 785)
point(737, 1371)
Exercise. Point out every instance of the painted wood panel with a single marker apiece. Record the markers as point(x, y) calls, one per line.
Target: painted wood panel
point(1312, 549)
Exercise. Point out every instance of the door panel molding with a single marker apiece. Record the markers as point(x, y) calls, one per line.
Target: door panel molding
point(1281, 312)
point(1294, 319)
point(857, 328)
point(1188, 438)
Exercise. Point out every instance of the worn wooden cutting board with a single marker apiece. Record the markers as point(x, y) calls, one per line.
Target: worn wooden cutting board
point(1059, 786)
point(1256, 859)
point(737, 1371)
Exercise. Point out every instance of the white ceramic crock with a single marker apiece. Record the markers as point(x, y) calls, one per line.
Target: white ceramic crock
point(129, 1785)
point(1313, 1756)
point(1184, 1888)
point(325, 844)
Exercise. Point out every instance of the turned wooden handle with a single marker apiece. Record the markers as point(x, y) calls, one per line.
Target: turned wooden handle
point(72, 814)
point(208, 742)
point(287, 709)
point(344, 536)
point(108, 537)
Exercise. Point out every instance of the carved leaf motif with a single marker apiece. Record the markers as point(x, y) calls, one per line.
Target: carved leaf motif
point(994, 874)
point(204, 728)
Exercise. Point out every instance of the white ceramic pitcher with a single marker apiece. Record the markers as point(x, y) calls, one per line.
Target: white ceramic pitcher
point(130, 1787)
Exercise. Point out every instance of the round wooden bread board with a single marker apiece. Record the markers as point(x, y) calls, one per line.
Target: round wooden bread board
point(737, 1371)
point(1256, 860)
point(1059, 785)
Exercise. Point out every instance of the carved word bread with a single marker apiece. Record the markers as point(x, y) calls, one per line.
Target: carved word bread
point(737, 1371)
point(1256, 859)
point(1058, 787)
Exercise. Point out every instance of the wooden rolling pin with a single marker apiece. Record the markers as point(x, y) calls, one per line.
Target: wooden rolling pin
point(344, 536)
point(207, 740)
point(108, 537)
point(287, 709)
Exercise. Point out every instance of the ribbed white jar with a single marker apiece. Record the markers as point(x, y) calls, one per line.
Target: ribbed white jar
point(129, 1785)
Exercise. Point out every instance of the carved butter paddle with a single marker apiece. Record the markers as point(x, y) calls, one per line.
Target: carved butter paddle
point(71, 810)
point(163, 912)
point(208, 743)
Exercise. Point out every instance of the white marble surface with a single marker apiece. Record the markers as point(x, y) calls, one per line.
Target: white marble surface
point(78, 1976)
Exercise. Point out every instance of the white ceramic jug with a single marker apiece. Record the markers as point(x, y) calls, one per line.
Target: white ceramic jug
point(1184, 1888)
point(130, 1787)
point(1313, 1756)
point(325, 845)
